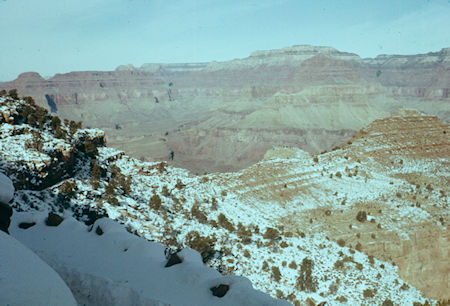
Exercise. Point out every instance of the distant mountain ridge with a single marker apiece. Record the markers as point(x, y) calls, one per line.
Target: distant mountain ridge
point(223, 116)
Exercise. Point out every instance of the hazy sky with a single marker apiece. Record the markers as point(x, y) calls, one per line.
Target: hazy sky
point(50, 36)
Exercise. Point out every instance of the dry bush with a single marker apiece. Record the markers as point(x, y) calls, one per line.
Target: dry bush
point(361, 216)
point(387, 302)
point(293, 265)
point(225, 223)
point(68, 188)
point(271, 234)
point(244, 233)
point(204, 245)
point(276, 274)
point(165, 191)
point(198, 214)
point(368, 293)
point(155, 202)
point(306, 281)
point(265, 266)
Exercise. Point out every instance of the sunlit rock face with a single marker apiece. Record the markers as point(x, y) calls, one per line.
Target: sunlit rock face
point(221, 116)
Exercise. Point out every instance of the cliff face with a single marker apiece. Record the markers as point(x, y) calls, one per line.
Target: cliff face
point(306, 96)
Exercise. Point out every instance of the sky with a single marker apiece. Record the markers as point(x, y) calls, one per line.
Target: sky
point(58, 36)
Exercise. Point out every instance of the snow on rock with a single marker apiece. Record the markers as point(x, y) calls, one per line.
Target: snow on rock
point(106, 265)
point(6, 189)
point(26, 280)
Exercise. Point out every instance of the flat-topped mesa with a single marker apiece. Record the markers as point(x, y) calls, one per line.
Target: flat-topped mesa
point(429, 59)
point(290, 56)
point(305, 51)
point(172, 68)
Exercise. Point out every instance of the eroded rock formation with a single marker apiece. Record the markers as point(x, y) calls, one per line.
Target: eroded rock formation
point(224, 115)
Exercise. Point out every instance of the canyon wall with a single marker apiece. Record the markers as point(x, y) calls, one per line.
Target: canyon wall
point(224, 115)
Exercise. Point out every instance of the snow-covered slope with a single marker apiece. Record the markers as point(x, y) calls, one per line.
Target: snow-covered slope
point(105, 265)
point(299, 228)
point(6, 189)
point(26, 280)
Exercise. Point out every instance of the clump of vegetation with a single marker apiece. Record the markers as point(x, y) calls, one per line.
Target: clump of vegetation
point(74, 126)
point(155, 202)
point(110, 189)
point(341, 242)
point(96, 174)
point(68, 188)
point(244, 233)
point(361, 216)
point(90, 148)
point(387, 302)
point(306, 281)
point(293, 265)
point(179, 184)
point(404, 286)
point(198, 214)
point(276, 274)
point(265, 266)
point(225, 223)
point(271, 234)
point(125, 183)
point(338, 174)
point(13, 94)
point(111, 199)
point(339, 264)
point(369, 293)
point(161, 167)
point(165, 191)
point(204, 245)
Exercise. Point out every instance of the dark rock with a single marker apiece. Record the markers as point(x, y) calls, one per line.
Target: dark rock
point(53, 219)
point(208, 255)
point(220, 290)
point(5, 217)
point(25, 225)
point(99, 231)
point(174, 259)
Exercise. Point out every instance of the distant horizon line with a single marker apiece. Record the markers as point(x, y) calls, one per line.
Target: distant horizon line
point(47, 77)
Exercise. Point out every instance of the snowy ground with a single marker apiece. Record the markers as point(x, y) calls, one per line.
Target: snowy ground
point(118, 268)
point(246, 223)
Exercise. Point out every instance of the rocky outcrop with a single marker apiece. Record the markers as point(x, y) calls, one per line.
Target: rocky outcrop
point(38, 149)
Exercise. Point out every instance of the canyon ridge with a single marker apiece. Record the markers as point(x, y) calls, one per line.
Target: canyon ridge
point(224, 116)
